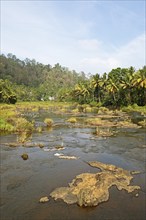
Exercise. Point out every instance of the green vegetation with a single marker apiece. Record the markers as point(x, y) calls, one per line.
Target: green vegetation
point(33, 81)
point(22, 125)
point(5, 126)
point(28, 80)
point(7, 94)
point(134, 108)
point(142, 123)
point(10, 121)
point(48, 122)
point(72, 120)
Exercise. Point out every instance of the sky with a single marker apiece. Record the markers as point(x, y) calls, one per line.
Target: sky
point(89, 36)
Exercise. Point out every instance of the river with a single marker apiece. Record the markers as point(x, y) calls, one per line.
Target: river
point(23, 183)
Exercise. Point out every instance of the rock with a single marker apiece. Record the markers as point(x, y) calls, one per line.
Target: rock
point(90, 189)
point(59, 147)
point(68, 157)
point(44, 199)
point(62, 156)
point(24, 156)
point(57, 154)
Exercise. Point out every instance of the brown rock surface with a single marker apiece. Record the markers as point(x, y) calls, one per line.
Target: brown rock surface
point(89, 189)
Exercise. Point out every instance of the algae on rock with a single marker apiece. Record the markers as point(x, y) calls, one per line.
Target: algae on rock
point(90, 189)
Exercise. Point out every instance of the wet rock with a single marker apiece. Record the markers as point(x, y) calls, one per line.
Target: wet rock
point(41, 145)
point(14, 144)
point(56, 148)
point(68, 157)
point(90, 189)
point(57, 154)
point(27, 144)
point(24, 156)
point(59, 147)
point(44, 199)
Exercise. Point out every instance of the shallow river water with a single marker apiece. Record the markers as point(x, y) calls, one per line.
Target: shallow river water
point(23, 183)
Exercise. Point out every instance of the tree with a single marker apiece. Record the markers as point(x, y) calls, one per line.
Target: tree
point(7, 94)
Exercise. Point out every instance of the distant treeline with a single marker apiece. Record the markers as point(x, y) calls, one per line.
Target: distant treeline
point(28, 80)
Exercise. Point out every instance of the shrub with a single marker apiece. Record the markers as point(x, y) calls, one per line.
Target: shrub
point(93, 104)
point(5, 126)
point(88, 109)
point(94, 121)
point(75, 111)
point(142, 123)
point(48, 122)
point(72, 120)
point(22, 125)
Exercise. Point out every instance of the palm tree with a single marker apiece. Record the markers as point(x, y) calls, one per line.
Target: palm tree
point(140, 78)
point(139, 83)
point(81, 92)
point(112, 88)
point(96, 85)
point(126, 83)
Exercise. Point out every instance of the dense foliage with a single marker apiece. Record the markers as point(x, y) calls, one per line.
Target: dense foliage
point(33, 81)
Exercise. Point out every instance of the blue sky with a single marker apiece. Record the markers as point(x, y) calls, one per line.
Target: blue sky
point(89, 36)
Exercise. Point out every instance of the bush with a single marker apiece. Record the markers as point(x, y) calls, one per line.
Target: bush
point(5, 126)
point(72, 120)
point(7, 94)
point(48, 122)
point(142, 123)
point(22, 125)
point(93, 104)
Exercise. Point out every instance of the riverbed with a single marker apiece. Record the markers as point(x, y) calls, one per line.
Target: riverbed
point(24, 182)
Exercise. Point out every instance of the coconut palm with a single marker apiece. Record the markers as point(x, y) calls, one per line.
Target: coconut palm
point(112, 88)
point(96, 85)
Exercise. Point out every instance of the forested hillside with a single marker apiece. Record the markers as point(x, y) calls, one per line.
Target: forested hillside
point(28, 80)
point(35, 81)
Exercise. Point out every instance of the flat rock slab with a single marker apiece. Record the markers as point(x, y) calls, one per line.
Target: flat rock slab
point(90, 189)
point(44, 199)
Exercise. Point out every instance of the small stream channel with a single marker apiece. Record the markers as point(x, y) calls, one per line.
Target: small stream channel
point(23, 183)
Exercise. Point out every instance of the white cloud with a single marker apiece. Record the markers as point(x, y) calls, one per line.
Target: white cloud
point(131, 54)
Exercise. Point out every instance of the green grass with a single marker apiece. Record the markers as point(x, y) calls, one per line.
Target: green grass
point(5, 126)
